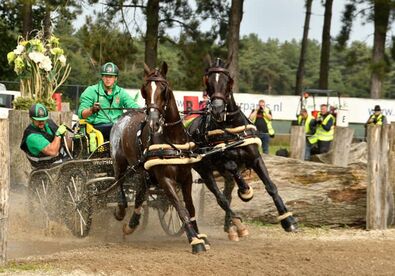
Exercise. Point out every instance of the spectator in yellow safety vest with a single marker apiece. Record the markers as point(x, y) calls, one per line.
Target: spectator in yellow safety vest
point(325, 129)
point(309, 123)
point(376, 118)
point(262, 119)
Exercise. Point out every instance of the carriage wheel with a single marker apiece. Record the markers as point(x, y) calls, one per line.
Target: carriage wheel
point(42, 201)
point(168, 216)
point(77, 209)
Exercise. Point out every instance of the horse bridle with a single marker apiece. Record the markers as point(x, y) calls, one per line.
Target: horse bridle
point(219, 70)
point(165, 83)
point(222, 96)
point(162, 80)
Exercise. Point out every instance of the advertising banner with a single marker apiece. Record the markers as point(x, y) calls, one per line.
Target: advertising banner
point(286, 107)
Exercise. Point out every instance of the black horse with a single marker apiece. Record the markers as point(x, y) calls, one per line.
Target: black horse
point(224, 124)
point(158, 140)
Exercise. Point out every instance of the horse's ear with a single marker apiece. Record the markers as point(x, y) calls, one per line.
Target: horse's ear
point(147, 70)
point(163, 71)
point(143, 92)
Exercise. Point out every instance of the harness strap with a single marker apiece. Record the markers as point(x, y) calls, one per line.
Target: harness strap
point(234, 130)
point(246, 142)
point(173, 161)
point(186, 146)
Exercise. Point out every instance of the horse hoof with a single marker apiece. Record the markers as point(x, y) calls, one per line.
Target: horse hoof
point(120, 213)
point(242, 231)
point(197, 246)
point(205, 240)
point(232, 234)
point(247, 195)
point(127, 230)
point(293, 228)
point(288, 222)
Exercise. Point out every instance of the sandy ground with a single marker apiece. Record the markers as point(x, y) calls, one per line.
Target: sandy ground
point(267, 251)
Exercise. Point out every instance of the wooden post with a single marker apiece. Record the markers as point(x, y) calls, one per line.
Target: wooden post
point(20, 167)
point(380, 203)
point(298, 142)
point(4, 187)
point(341, 146)
point(392, 161)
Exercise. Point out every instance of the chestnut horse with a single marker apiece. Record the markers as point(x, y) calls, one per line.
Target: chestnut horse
point(222, 124)
point(158, 140)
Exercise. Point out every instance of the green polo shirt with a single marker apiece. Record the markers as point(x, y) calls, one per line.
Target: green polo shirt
point(36, 142)
point(118, 99)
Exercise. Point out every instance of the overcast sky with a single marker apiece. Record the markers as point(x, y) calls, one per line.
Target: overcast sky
point(281, 19)
point(284, 19)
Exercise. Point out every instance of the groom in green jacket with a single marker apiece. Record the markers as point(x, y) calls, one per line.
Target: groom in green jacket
point(101, 104)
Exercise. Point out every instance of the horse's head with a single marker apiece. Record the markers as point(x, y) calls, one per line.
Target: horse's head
point(156, 93)
point(219, 88)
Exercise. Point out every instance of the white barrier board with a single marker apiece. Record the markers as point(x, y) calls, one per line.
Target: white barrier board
point(286, 107)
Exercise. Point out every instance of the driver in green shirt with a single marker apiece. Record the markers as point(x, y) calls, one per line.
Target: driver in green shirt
point(42, 139)
point(101, 104)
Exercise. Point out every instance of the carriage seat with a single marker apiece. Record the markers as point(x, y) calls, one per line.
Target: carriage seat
point(95, 137)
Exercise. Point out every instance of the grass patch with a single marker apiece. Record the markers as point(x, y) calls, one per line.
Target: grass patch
point(18, 267)
point(261, 223)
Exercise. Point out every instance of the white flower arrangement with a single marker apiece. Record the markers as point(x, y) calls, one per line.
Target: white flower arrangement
point(41, 65)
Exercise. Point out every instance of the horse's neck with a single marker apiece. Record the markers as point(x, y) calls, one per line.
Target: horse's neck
point(234, 118)
point(231, 104)
point(175, 133)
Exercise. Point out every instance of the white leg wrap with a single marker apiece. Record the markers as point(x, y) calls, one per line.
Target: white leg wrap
point(249, 194)
point(284, 216)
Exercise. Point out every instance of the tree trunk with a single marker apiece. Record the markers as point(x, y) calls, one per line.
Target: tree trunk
point(303, 50)
point(27, 24)
point(47, 24)
point(326, 45)
point(381, 19)
point(151, 35)
point(236, 15)
point(313, 192)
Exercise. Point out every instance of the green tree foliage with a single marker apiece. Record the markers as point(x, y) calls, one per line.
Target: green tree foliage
point(265, 66)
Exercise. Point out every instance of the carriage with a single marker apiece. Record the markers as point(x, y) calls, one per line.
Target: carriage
point(76, 188)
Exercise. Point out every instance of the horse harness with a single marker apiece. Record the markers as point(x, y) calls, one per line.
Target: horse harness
point(166, 153)
point(220, 137)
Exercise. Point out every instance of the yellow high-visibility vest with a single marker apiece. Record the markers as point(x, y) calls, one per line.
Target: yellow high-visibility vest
point(268, 122)
point(310, 136)
point(321, 133)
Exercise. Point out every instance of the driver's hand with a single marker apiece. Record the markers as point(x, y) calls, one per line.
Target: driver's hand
point(95, 108)
point(61, 130)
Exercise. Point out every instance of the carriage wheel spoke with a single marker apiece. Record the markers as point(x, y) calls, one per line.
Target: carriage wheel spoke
point(76, 208)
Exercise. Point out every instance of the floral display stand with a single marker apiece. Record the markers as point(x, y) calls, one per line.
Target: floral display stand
point(42, 68)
